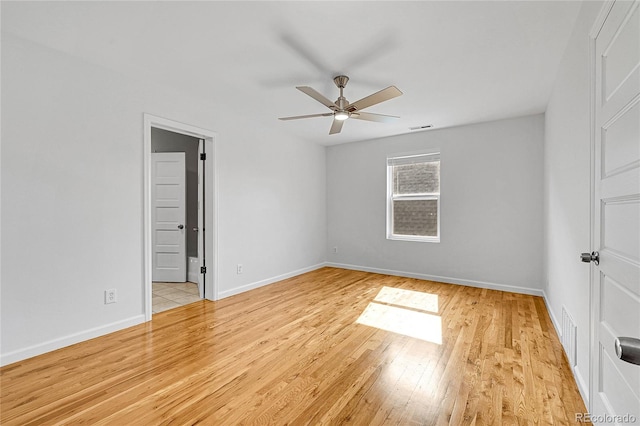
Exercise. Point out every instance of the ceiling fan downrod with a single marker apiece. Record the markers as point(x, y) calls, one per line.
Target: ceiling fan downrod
point(341, 81)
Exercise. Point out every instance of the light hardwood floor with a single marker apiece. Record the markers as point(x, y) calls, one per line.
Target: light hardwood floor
point(296, 352)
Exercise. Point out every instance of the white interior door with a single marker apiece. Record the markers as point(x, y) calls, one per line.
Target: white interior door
point(201, 253)
point(168, 214)
point(615, 310)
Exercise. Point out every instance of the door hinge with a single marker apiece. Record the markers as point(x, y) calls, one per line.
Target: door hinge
point(203, 269)
point(203, 156)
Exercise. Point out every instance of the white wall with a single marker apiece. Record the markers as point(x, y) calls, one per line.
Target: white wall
point(491, 206)
point(567, 189)
point(72, 189)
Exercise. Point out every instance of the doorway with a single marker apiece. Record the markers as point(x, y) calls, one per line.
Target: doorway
point(175, 215)
point(186, 248)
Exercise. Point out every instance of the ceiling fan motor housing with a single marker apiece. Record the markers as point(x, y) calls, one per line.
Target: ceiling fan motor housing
point(341, 81)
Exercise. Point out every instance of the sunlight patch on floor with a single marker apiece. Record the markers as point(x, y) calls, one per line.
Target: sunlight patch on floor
point(404, 312)
point(408, 298)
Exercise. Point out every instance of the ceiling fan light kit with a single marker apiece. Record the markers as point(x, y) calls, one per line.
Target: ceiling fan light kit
point(342, 109)
point(341, 115)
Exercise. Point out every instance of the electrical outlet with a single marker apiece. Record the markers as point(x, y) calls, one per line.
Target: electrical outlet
point(239, 268)
point(110, 296)
point(335, 249)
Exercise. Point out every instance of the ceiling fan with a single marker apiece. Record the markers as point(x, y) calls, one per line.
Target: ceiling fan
point(341, 109)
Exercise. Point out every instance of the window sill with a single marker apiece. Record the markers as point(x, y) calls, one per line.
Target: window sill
point(413, 238)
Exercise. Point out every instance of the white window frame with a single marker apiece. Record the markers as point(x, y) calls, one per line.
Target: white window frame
point(407, 159)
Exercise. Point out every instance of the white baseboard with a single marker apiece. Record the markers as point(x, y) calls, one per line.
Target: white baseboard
point(448, 280)
point(554, 320)
point(52, 345)
point(583, 386)
point(268, 281)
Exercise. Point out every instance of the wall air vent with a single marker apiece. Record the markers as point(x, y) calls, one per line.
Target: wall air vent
point(569, 337)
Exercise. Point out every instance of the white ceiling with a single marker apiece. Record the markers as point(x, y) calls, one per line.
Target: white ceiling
point(456, 62)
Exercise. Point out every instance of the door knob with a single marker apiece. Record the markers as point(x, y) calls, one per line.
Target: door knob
point(180, 226)
point(594, 257)
point(195, 229)
point(628, 349)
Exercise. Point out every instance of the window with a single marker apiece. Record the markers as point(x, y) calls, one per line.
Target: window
point(413, 199)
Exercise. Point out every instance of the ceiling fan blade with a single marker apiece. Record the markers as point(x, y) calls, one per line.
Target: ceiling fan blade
point(297, 117)
point(317, 96)
point(369, 116)
point(336, 126)
point(381, 96)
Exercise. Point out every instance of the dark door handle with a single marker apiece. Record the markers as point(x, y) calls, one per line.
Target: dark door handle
point(180, 226)
point(628, 349)
point(594, 257)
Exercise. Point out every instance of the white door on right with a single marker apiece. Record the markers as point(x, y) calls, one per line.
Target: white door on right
point(615, 384)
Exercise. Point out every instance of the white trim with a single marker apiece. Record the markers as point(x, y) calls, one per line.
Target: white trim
point(178, 127)
point(418, 197)
point(261, 283)
point(401, 159)
point(599, 22)
point(199, 277)
point(593, 344)
point(433, 152)
point(418, 238)
point(447, 280)
point(554, 320)
point(211, 290)
point(71, 339)
point(211, 204)
point(583, 385)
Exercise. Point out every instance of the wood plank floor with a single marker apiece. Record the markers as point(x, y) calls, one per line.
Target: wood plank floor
point(297, 352)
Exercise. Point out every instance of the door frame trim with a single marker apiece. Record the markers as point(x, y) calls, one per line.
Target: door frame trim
point(211, 216)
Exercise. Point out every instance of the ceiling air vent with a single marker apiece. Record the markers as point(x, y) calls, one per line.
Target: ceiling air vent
point(428, 126)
